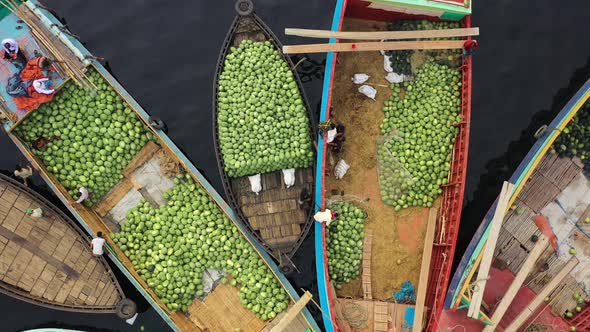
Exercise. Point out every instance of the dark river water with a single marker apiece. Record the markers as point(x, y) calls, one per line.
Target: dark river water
point(532, 57)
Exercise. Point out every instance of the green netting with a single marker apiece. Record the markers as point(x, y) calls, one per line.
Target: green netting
point(394, 179)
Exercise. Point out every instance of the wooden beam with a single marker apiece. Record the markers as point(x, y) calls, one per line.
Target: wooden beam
point(374, 46)
point(510, 294)
point(292, 313)
point(424, 270)
point(531, 307)
point(490, 246)
point(381, 35)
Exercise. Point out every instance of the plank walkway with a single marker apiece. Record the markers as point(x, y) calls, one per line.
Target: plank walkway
point(275, 212)
point(47, 261)
point(366, 276)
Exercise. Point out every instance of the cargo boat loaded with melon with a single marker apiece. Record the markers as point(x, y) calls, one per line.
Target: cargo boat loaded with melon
point(407, 151)
point(167, 229)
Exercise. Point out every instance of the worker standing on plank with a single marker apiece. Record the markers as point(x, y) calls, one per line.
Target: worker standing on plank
point(469, 47)
point(24, 173)
point(13, 54)
point(97, 244)
point(84, 194)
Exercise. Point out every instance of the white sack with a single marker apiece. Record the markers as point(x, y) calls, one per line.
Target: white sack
point(289, 177)
point(387, 63)
point(360, 78)
point(341, 169)
point(395, 77)
point(332, 134)
point(323, 216)
point(368, 91)
point(255, 183)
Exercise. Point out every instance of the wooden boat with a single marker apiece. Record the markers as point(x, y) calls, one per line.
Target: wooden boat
point(147, 175)
point(529, 283)
point(47, 261)
point(273, 216)
point(391, 255)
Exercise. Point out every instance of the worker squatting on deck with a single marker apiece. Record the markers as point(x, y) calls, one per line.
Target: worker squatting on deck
point(32, 85)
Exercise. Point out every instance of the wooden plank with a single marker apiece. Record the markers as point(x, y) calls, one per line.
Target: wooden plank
point(374, 46)
point(517, 282)
point(141, 158)
point(380, 35)
point(540, 298)
point(380, 316)
point(292, 313)
point(488, 251)
point(113, 197)
point(425, 270)
point(366, 274)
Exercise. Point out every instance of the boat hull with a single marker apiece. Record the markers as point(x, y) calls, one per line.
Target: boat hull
point(452, 196)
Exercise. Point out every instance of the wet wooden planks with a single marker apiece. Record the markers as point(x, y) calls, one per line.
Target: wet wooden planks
point(46, 259)
point(214, 312)
point(275, 212)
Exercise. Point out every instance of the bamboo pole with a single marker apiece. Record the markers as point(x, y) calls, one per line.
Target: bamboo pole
point(424, 271)
point(381, 35)
point(374, 46)
point(510, 294)
point(531, 307)
point(490, 246)
point(292, 313)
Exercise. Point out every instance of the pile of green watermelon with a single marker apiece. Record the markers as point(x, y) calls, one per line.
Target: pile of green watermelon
point(574, 141)
point(97, 136)
point(344, 238)
point(421, 115)
point(400, 60)
point(263, 124)
point(171, 247)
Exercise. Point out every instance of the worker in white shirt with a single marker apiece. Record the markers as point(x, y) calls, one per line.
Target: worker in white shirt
point(42, 86)
point(326, 216)
point(24, 173)
point(97, 244)
point(84, 194)
point(13, 54)
point(35, 213)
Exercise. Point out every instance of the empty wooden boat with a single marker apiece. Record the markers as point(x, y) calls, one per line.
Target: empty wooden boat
point(274, 215)
point(47, 261)
point(535, 274)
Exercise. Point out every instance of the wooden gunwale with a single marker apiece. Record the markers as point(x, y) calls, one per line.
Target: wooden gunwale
point(227, 186)
point(25, 296)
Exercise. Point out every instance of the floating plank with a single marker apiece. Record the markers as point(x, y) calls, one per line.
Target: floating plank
point(488, 253)
point(517, 283)
point(380, 35)
point(424, 270)
point(292, 313)
point(532, 306)
point(374, 46)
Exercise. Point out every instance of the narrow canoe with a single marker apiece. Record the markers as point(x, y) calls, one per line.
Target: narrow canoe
point(393, 232)
point(555, 187)
point(35, 251)
point(274, 216)
point(147, 175)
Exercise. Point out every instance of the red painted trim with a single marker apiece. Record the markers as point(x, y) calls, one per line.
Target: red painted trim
point(452, 203)
point(360, 9)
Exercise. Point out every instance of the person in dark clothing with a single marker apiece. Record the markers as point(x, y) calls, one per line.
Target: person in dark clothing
point(13, 54)
point(304, 199)
point(469, 47)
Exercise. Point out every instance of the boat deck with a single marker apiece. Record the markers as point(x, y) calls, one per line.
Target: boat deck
point(275, 212)
point(48, 260)
point(396, 235)
point(374, 316)
point(11, 26)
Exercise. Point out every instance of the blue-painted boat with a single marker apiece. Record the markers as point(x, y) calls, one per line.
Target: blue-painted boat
point(37, 29)
point(548, 200)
